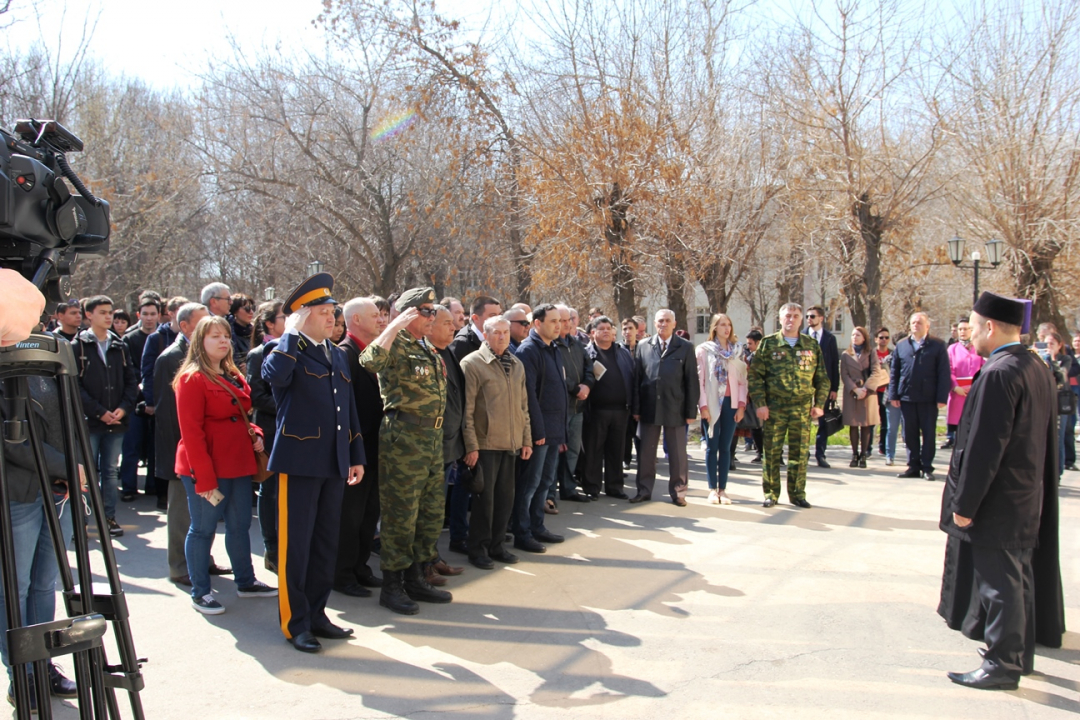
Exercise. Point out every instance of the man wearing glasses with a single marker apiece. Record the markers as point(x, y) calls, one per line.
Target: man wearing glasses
point(519, 326)
point(412, 380)
point(815, 319)
point(890, 416)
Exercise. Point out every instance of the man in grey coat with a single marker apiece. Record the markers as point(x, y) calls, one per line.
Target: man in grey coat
point(665, 397)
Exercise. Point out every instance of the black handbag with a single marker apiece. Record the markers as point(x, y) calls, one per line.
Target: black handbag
point(749, 419)
point(832, 421)
point(1066, 401)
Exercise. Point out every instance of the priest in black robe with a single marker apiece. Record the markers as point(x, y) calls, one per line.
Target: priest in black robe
point(1002, 580)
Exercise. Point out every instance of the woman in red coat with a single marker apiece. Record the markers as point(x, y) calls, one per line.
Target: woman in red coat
point(215, 460)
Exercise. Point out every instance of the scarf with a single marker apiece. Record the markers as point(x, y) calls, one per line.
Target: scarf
point(722, 355)
point(858, 349)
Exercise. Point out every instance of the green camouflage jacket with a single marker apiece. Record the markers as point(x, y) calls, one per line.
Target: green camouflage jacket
point(781, 374)
point(412, 377)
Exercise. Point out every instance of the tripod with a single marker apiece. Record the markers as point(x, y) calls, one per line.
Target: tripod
point(90, 609)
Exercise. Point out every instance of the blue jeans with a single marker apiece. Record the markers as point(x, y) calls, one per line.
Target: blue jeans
point(895, 418)
point(568, 460)
point(718, 451)
point(35, 567)
point(105, 448)
point(235, 508)
point(535, 478)
point(129, 463)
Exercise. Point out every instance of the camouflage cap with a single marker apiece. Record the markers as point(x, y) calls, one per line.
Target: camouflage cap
point(415, 298)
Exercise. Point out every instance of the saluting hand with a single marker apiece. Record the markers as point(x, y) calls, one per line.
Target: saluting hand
point(356, 474)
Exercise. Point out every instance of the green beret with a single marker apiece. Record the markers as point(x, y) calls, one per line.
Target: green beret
point(415, 298)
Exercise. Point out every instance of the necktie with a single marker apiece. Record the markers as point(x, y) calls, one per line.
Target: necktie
point(326, 350)
point(663, 348)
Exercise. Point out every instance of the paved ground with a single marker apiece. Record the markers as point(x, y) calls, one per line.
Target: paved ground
point(646, 611)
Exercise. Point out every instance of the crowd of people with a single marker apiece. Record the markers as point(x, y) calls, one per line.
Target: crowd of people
point(365, 427)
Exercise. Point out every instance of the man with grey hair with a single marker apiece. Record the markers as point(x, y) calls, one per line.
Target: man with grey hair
point(789, 386)
point(665, 398)
point(360, 503)
point(919, 383)
point(217, 298)
point(167, 437)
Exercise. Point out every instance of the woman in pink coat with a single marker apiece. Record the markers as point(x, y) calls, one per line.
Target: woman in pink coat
point(964, 362)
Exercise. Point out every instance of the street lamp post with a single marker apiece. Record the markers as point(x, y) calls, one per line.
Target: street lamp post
point(268, 294)
point(955, 247)
point(314, 267)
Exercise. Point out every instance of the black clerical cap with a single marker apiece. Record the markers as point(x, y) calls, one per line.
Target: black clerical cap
point(998, 307)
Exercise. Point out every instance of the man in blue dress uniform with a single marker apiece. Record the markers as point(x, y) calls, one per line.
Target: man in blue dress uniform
point(316, 449)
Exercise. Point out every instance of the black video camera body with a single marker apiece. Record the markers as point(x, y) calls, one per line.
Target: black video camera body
point(44, 228)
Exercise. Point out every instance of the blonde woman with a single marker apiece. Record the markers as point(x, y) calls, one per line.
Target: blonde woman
point(860, 407)
point(215, 460)
point(722, 400)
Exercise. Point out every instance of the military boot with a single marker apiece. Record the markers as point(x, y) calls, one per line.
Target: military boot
point(417, 588)
point(393, 594)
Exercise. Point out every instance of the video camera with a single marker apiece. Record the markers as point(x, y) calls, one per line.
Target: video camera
point(44, 228)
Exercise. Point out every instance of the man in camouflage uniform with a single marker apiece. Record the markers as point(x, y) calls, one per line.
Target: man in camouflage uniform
point(412, 381)
point(789, 385)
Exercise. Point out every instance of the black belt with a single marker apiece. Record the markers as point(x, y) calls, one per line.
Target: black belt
point(415, 419)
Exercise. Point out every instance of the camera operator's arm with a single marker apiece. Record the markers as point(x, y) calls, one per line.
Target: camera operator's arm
point(22, 307)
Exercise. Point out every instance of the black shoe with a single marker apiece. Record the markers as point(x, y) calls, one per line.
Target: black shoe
point(854, 461)
point(216, 569)
point(617, 495)
point(506, 557)
point(862, 461)
point(929, 476)
point(458, 546)
point(756, 460)
point(114, 528)
point(801, 502)
point(593, 497)
point(529, 545)
point(482, 561)
point(59, 685)
point(732, 467)
point(910, 474)
point(128, 496)
point(393, 594)
point(576, 497)
point(370, 580)
point(162, 504)
point(418, 588)
point(184, 580)
point(822, 464)
point(982, 680)
point(352, 590)
point(640, 498)
point(306, 642)
point(769, 502)
point(948, 445)
point(330, 631)
point(1072, 466)
point(1026, 671)
point(548, 537)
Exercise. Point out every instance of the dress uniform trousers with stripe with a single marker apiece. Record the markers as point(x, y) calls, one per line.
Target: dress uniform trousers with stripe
point(317, 440)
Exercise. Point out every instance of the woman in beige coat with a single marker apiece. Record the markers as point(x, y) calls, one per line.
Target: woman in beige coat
point(860, 407)
point(496, 430)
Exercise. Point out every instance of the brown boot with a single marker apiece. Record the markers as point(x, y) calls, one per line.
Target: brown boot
point(432, 576)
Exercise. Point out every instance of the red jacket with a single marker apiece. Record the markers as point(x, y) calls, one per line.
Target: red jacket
point(214, 441)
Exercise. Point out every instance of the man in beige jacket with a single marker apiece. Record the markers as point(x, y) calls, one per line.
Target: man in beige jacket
point(496, 430)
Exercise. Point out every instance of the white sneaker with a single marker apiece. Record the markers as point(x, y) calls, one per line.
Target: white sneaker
point(714, 499)
point(724, 499)
point(888, 461)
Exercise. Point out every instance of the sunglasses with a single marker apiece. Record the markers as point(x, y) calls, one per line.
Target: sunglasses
point(522, 323)
point(426, 312)
point(882, 337)
point(811, 317)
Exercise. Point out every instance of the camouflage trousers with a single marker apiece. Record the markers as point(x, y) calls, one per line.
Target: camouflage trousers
point(410, 492)
point(790, 421)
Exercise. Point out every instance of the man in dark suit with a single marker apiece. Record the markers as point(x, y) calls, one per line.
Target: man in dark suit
point(167, 437)
point(360, 504)
point(607, 412)
point(318, 447)
point(469, 338)
point(665, 398)
point(815, 328)
point(919, 384)
point(1000, 498)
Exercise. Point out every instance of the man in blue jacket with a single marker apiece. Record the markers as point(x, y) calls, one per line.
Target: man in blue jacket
point(548, 416)
point(317, 446)
point(919, 385)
